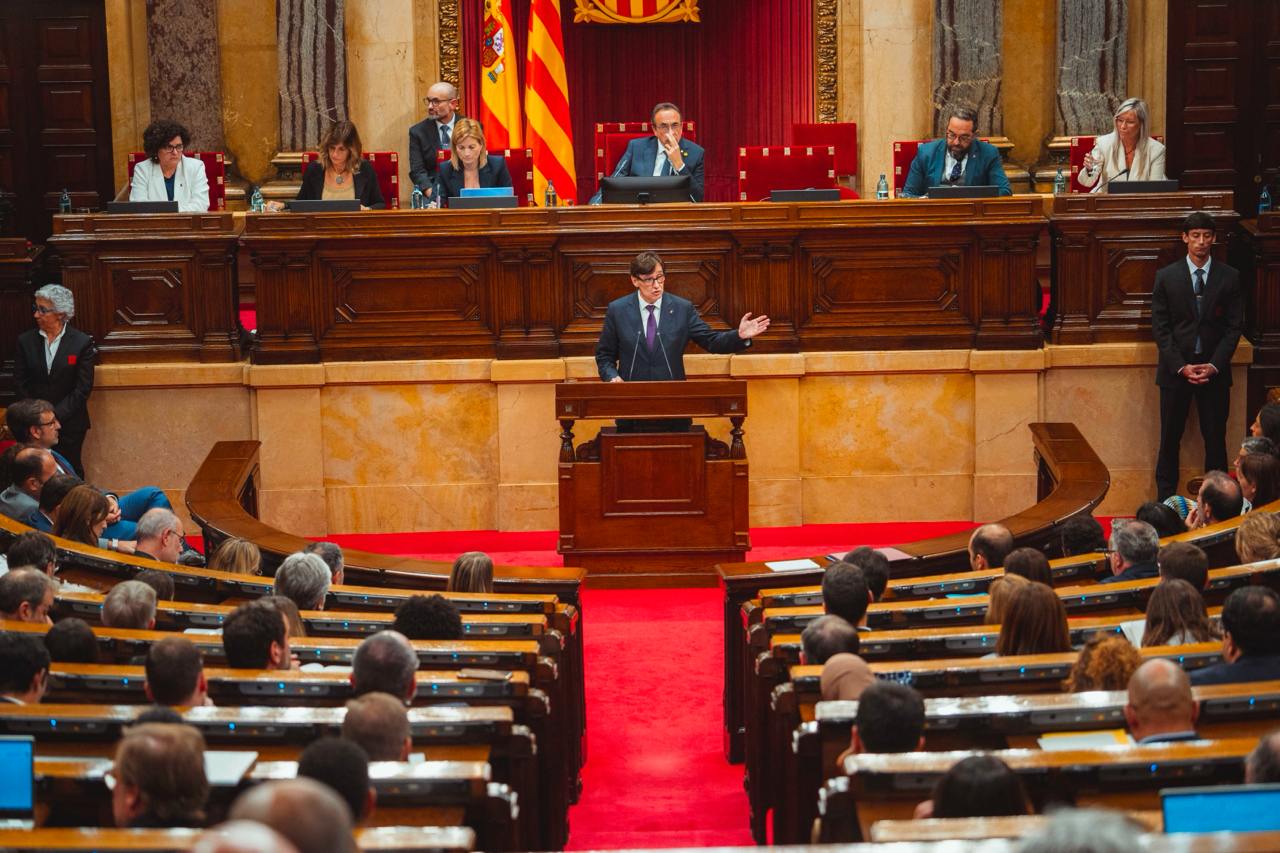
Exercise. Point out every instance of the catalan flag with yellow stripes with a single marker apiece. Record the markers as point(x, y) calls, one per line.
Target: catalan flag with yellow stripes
point(546, 104)
point(499, 86)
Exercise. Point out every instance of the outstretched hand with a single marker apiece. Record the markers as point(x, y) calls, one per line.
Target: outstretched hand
point(752, 326)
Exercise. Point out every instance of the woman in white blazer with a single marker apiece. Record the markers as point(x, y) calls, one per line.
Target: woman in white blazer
point(167, 174)
point(1126, 154)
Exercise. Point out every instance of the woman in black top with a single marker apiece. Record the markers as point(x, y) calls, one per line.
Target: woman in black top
point(469, 165)
point(342, 172)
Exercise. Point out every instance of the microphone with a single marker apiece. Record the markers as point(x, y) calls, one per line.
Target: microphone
point(635, 350)
point(670, 373)
point(1108, 181)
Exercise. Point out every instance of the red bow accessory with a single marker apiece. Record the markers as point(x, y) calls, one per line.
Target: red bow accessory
point(71, 359)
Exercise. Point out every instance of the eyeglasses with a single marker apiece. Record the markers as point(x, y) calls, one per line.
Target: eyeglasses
point(964, 138)
point(47, 423)
point(43, 309)
point(173, 149)
point(675, 125)
point(435, 102)
point(653, 279)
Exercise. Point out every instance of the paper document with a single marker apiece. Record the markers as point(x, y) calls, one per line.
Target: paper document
point(227, 768)
point(1059, 741)
point(792, 565)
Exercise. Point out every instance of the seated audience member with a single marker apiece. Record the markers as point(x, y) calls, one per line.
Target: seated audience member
point(71, 640)
point(988, 546)
point(168, 174)
point(826, 636)
point(999, 594)
point(26, 595)
point(158, 778)
point(977, 786)
point(331, 553)
point(1161, 708)
point(379, 724)
point(1035, 623)
point(341, 170)
point(1105, 663)
point(303, 579)
point(55, 489)
point(1162, 517)
point(1134, 548)
point(1084, 831)
point(160, 536)
point(159, 714)
point(1262, 767)
point(242, 836)
point(82, 516)
point(289, 610)
point(664, 153)
point(309, 814)
point(471, 572)
point(385, 662)
point(875, 569)
point(960, 158)
point(1082, 534)
point(1220, 499)
point(33, 550)
point(1184, 561)
point(428, 617)
point(1250, 639)
point(238, 556)
point(844, 677)
point(469, 165)
point(175, 673)
point(24, 669)
point(1258, 537)
point(1259, 477)
point(1176, 616)
point(1030, 563)
point(30, 469)
point(1256, 444)
point(1128, 153)
point(1267, 423)
point(255, 636)
point(890, 718)
point(845, 593)
point(344, 767)
point(130, 604)
point(160, 581)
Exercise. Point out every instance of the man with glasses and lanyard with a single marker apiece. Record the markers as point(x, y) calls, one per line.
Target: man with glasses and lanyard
point(433, 134)
point(960, 159)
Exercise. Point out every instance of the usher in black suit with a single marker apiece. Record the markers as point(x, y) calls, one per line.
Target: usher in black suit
point(66, 387)
point(1177, 325)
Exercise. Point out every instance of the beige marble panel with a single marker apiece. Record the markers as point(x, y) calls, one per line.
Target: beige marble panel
point(886, 361)
point(888, 497)
point(1004, 405)
point(299, 511)
point(410, 435)
point(528, 434)
point(1001, 495)
point(397, 508)
point(127, 78)
point(900, 425)
point(426, 52)
point(392, 372)
point(772, 428)
point(289, 427)
point(1148, 57)
point(250, 88)
point(528, 506)
point(896, 47)
point(776, 502)
point(380, 76)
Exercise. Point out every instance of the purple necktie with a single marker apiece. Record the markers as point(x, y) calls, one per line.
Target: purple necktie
point(650, 328)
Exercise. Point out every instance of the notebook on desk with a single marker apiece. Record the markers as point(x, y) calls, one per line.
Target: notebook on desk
point(17, 793)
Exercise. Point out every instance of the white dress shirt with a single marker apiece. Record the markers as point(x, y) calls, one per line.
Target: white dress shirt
point(949, 163)
point(644, 315)
point(51, 347)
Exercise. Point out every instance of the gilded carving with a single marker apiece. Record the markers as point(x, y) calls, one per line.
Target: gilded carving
point(450, 42)
point(614, 12)
point(827, 56)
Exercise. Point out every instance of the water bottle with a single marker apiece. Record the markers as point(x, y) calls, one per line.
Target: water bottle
point(256, 204)
point(416, 199)
point(64, 202)
point(549, 200)
point(1059, 183)
point(882, 187)
point(1264, 200)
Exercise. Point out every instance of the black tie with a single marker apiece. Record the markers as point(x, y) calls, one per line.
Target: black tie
point(955, 172)
point(1198, 287)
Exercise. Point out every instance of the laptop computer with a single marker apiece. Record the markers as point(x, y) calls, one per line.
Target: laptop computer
point(473, 192)
point(1221, 808)
point(17, 769)
point(1170, 186)
point(811, 194)
point(324, 205)
point(142, 207)
point(476, 202)
point(962, 191)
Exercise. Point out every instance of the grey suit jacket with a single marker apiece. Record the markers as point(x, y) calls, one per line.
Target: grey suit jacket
point(17, 505)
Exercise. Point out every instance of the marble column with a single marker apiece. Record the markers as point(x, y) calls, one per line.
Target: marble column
point(1092, 64)
point(312, 54)
point(967, 61)
point(185, 78)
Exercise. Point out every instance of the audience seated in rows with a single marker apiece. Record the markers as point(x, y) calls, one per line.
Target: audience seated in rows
point(1175, 561)
point(131, 605)
point(1082, 534)
point(52, 493)
point(1162, 517)
point(71, 640)
point(1176, 616)
point(1259, 477)
point(344, 767)
point(304, 579)
point(1030, 564)
point(1255, 444)
point(428, 617)
point(890, 718)
point(977, 786)
point(159, 580)
point(826, 636)
point(175, 673)
point(29, 469)
point(1258, 537)
point(845, 593)
point(158, 777)
point(24, 669)
point(988, 546)
point(999, 594)
point(379, 724)
point(1262, 766)
point(1134, 546)
point(26, 595)
point(1220, 499)
point(289, 610)
point(255, 636)
point(82, 516)
point(875, 569)
point(331, 553)
point(1084, 831)
point(242, 836)
point(385, 662)
point(1267, 423)
point(160, 536)
point(310, 815)
point(1184, 561)
point(1250, 639)
point(237, 556)
point(1106, 662)
point(1035, 623)
point(471, 572)
point(33, 550)
point(1161, 708)
point(844, 677)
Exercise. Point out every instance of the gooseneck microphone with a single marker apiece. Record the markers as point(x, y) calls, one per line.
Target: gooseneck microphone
point(1108, 181)
point(634, 351)
point(670, 373)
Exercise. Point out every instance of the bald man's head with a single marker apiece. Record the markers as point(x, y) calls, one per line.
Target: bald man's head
point(242, 836)
point(1160, 700)
point(988, 546)
point(310, 815)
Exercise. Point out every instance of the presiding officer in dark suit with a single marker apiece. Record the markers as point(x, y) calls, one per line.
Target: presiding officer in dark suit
point(645, 332)
point(469, 164)
point(54, 362)
point(342, 172)
point(433, 134)
point(663, 154)
point(1197, 313)
point(959, 159)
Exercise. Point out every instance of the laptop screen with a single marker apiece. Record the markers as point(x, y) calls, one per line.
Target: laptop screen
point(1230, 808)
point(17, 793)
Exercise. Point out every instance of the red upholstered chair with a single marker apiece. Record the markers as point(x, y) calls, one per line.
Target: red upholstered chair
point(842, 136)
point(215, 168)
point(386, 165)
point(1080, 146)
point(519, 166)
point(903, 153)
point(612, 137)
point(762, 170)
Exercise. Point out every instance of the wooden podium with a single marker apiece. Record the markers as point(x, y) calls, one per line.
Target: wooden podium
point(652, 508)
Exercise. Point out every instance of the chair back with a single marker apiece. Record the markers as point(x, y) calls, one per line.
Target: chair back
point(612, 138)
point(764, 169)
point(519, 165)
point(903, 153)
point(1080, 146)
point(215, 169)
point(840, 135)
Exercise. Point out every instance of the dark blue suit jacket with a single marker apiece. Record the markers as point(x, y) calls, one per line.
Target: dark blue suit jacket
point(637, 161)
point(983, 169)
point(492, 174)
point(1138, 571)
point(1247, 668)
point(1175, 325)
point(621, 350)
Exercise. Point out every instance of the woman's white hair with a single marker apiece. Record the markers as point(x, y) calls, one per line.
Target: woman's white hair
point(63, 302)
point(1138, 107)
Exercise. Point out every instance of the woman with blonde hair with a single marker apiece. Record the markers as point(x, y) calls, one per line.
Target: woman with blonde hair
point(1127, 153)
point(471, 572)
point(1258, 537)
point(470, 166)
point(82, 515)
point(237, 556)
point(341, 171)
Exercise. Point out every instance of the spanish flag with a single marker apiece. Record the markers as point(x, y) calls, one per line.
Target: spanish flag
point(546, 99)
point(499, 87)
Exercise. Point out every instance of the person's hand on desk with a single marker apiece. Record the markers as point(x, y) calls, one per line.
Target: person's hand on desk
point(616, 379)
point(273, 207)
point(752, 326)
